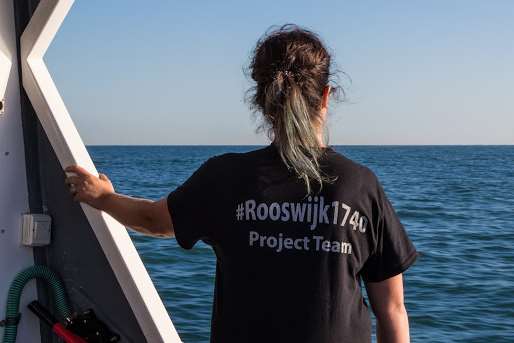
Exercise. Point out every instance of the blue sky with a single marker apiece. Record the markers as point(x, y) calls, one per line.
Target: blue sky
point(163, 72)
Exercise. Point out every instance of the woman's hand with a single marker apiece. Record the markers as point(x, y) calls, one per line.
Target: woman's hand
point(87, 188)
point(146, 216)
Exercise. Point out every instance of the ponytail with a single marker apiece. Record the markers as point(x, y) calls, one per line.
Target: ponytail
point(294, 134)
point(291, 69)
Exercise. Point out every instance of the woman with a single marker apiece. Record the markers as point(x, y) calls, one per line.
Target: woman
point(295, 225)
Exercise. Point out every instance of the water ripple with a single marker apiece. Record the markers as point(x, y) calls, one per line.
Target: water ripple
point(455, 201)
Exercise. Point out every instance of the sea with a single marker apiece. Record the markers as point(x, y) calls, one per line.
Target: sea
point(456, 203)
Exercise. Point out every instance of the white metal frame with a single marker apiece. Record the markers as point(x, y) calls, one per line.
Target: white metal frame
point(69, 148)
point(5, 71)
point(13, 181)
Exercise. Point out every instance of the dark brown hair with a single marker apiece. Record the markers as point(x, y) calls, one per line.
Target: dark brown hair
point(291, 67)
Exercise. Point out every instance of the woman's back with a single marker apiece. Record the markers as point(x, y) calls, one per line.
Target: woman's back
point(295, 225)
point(289, 266)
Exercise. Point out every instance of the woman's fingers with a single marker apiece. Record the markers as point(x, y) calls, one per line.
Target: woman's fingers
point(78, 193)
point(86, 187)
point(77, 185)
point(77, 181)
point(73, 180)
point(77, 170)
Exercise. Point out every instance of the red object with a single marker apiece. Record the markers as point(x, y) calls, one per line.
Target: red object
point(66, 335)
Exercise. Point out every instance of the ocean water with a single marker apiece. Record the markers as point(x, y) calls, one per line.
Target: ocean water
point(456, 202)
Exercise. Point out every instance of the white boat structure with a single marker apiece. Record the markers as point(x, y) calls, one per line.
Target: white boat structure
point(87, 249)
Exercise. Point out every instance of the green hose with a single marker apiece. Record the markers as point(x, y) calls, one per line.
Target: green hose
point(13, 298)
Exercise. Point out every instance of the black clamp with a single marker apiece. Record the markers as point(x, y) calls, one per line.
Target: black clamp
point(10, 321)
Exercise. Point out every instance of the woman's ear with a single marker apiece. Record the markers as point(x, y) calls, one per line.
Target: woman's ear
point(326, 97)
point(324, 102)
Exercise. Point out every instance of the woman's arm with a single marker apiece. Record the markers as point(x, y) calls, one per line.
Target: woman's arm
point(143, 215)
point(386, 298)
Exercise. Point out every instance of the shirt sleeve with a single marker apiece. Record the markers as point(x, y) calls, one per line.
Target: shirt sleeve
point(393, 252)
point(192, 208)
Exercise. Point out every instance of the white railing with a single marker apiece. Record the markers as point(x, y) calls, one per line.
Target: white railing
point(69, 148)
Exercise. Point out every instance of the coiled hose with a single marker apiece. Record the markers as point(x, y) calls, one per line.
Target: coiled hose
point(13, 298)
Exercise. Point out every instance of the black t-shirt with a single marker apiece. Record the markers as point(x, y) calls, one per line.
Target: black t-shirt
point(288, 267)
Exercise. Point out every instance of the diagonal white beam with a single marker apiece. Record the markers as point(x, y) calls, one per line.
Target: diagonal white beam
point(69, 148)
point(5, 70)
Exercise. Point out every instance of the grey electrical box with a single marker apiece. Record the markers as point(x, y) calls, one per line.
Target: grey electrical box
point(35, 229)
